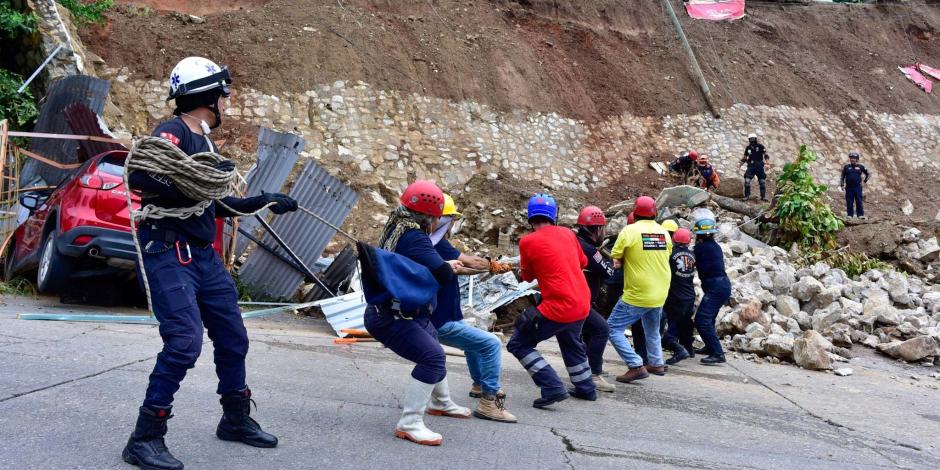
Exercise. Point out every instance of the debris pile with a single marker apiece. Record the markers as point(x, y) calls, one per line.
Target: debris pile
point(813, 316)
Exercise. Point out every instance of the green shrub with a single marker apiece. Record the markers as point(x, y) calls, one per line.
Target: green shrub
point(854, 264)
point(86, 12)
point(14, 24)
point(18, 108)
point(805, 217)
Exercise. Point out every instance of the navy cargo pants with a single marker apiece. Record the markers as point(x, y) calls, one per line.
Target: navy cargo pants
point(190, 289)
point(531, 329)
point(854, 203)
point(413, 339)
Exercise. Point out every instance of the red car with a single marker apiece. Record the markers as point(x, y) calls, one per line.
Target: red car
point(80, 228)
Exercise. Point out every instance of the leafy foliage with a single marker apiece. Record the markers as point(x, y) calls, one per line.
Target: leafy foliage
point(805, 217)
point(15, 23)
point(88, 11)
point(18, 108)
point(18, 286)
point(854, 264)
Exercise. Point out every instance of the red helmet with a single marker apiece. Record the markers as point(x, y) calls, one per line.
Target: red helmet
point(631, 218)
point(592, 216)
point(683, 236)
point(424, 197)
point(645, 207)
point(693, 155)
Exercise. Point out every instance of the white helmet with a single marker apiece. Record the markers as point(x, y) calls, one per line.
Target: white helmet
point(197, 74)
point(751, 136)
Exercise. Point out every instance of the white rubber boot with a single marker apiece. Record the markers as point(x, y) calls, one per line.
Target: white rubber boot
point(411, 425)
point(442, 405)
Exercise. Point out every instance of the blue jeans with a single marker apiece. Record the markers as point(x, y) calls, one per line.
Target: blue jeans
point(625, 315)
point(482, 348)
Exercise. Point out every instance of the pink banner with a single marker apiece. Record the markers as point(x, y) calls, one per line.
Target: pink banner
point(715, 10)
point(935, 73)
point(916, 77)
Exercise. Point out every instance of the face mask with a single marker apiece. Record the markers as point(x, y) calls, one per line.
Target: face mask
point(442, 228)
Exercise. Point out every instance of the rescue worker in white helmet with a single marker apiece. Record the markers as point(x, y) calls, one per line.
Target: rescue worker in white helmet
point(187, 280)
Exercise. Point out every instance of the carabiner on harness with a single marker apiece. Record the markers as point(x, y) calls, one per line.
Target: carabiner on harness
point(179, 255)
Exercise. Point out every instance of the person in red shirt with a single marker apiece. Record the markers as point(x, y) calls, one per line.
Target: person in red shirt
point(553, 256)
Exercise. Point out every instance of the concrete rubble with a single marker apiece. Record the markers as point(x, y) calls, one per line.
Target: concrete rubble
point(814, 316)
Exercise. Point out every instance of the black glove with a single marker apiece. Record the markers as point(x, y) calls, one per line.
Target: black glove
point(284, 203)
point(224, 165)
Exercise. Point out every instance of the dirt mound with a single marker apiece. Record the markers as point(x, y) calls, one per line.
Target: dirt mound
point(582, 59)
point(195, 8)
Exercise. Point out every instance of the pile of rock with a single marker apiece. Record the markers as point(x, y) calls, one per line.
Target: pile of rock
point(813, 316)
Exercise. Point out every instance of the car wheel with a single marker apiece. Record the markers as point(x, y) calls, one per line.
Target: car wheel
point(54, 268)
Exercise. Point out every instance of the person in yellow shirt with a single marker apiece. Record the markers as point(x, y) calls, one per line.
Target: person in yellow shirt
point(643, 250)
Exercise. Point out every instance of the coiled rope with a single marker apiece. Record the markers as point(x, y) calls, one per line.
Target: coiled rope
point(194, 175)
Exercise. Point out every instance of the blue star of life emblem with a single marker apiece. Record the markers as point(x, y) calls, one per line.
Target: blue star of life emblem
point(175, 79)
point(211, 68)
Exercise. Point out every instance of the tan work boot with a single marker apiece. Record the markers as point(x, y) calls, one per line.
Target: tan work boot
point(602, 385)
point(635, 373)
point(493, 407)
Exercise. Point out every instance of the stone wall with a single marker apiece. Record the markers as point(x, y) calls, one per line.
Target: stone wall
point(395, 137)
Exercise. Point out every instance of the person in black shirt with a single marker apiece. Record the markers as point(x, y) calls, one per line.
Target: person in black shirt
point(189, 285)
point(595, 332)
point(716, 287)
point(680, 303)
point(757, 159)
point(854, 177)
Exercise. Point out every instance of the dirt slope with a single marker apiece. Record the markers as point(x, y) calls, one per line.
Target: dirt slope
point(584, 59)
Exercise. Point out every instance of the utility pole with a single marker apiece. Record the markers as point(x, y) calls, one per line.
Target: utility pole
point(696, 70)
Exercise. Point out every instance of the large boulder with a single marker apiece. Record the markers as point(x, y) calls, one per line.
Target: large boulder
point(779, 346)
point(787, 306)
point(898, 288)
point(878, 308)
point(841, 335)
point(911, 350)
point(784, 277)
point(827, 296)
point(806, 288)
point(824, 319)
point(811, 351)
point(745, 314)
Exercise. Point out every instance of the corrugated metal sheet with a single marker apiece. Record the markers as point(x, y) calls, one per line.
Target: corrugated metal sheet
point(323, 194)
point(277, 154)
point(494, 292)
point(84, 121)
point(64, 92)
point(345, 311)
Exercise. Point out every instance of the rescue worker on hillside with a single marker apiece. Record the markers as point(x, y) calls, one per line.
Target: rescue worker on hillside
point(552, 255)
point(710, 263)
point(684, 164)
point(643, 250)
point(594, 333)
point(757, 159)
point(680, 303)
point(188, 284)
point(410, 334)
point(483, 350)
point(854, 177)
point(708, 176)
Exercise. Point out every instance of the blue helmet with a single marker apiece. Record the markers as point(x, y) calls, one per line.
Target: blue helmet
point(543, 205)
point(704, 221)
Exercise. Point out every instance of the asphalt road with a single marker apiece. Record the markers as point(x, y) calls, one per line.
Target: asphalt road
point(69, 394)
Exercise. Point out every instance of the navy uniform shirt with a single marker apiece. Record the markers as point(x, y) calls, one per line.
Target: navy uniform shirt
point(755, 155)
point(682, 265)
point(448, 297)
point(709, 260)
point(598, 270)
point(852, 175)
point(160, 191)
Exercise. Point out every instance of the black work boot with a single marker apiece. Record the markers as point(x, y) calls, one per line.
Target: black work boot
point(236, 425)
point(146, 448)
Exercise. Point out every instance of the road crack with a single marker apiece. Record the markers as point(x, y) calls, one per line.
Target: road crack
point(76, 379)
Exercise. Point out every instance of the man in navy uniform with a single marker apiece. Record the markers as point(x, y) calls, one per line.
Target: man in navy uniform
point(757, 159)
point(854, 176)
point(189, 285)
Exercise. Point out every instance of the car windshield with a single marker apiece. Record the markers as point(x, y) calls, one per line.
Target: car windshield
point(112, 165)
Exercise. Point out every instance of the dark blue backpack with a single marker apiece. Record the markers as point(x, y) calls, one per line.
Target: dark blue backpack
point(390, 279)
